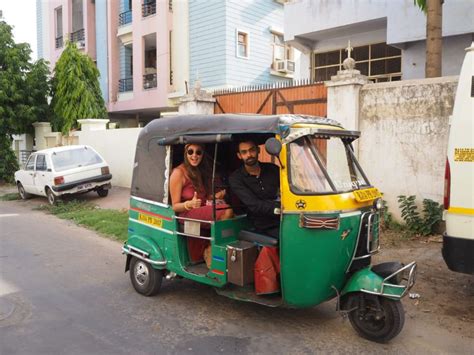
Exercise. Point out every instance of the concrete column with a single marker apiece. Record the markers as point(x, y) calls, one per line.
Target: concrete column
point(93, 124)
point(197, 102)
point(41, 130)
point(343, 97)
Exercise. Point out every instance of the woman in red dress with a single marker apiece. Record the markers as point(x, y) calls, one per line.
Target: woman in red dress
point(190, 189)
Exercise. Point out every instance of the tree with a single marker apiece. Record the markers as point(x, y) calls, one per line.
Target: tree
point(434, 37)
point(24, 87)
point(75, 90)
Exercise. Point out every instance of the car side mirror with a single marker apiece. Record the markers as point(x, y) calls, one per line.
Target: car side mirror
point(273, 146)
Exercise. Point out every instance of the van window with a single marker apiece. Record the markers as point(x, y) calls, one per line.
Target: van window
point(74, 158)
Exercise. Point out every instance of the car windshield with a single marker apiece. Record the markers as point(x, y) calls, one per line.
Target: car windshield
point(74, 158)
point(324, 165)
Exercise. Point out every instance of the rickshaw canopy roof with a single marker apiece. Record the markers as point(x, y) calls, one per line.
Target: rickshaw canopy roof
point(214, 128)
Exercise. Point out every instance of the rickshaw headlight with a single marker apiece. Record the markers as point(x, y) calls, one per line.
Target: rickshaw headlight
point(378, 204)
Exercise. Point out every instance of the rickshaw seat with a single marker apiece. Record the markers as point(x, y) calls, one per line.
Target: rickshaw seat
point(263, 239)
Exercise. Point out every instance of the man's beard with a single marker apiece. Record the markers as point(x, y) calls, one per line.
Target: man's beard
point(251, 161)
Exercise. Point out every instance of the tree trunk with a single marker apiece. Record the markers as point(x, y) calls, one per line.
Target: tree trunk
point(434, 37)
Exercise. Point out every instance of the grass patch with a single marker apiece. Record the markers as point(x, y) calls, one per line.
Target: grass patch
point(10, 197)
point(111, 223)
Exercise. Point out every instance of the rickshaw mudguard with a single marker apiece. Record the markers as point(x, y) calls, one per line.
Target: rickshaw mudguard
point(146, 246)
point(367, 281)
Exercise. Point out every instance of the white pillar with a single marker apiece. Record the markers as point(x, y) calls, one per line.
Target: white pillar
point(93, 124)
point(197, 102)
point(343, 97)
point(41, 129)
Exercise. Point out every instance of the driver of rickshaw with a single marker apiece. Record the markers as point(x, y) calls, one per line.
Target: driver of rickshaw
point(257, 184)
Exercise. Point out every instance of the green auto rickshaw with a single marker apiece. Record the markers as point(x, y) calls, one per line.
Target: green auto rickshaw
point(329, 222)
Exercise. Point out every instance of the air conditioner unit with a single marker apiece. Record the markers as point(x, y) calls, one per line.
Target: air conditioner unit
point(285, 66)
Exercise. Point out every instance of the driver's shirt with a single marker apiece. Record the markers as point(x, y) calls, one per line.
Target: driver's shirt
point(258, 194)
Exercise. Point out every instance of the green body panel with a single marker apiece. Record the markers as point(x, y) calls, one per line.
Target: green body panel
point(161, 240)
point(367, 280)
point(314, 261)
point(148, 245)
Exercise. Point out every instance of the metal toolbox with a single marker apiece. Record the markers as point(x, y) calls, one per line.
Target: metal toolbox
point(241, 256)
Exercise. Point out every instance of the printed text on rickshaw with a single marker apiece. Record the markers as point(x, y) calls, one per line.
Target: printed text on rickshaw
point(157, 222)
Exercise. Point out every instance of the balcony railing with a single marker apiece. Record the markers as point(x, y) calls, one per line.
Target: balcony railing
point(59, 42)
point(77, 36)
point(149, 81)
point(125, 17)
point(149, 8)
point(126, 84)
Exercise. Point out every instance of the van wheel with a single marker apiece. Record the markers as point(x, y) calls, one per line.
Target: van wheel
point(52, 198)
point(102, 192)
point(145, 279)
point(21, 191)
point(376, 318)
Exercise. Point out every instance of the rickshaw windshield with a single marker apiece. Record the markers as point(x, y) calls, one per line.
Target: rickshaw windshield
point(324, 165)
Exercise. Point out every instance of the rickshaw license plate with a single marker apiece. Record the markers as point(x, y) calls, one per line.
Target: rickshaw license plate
point(367, 194)
point(157, 222)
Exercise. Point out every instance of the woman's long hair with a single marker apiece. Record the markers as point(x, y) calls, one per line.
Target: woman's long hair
point(200, 175)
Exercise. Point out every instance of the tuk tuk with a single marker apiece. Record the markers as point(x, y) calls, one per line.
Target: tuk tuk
point(329, 221)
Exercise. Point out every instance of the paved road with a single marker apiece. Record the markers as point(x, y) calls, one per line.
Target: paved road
point(63, 291)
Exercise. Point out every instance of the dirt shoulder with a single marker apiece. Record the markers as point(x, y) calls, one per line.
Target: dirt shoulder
point(446, 298)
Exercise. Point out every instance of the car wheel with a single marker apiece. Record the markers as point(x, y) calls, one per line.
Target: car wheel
point(52, 198)
point(145, 279)
point(102, 192)
point(21, 191)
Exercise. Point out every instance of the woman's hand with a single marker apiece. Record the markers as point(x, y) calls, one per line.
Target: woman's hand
point(194, 203)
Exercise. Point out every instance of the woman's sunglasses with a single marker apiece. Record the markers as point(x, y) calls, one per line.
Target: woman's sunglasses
point(192, 151)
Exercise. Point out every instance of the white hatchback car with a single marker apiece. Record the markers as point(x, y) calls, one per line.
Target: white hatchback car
point(58, 171)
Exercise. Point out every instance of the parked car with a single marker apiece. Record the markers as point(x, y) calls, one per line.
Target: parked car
point(58, 171)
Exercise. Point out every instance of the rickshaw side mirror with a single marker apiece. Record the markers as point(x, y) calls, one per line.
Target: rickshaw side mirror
point(273, 146)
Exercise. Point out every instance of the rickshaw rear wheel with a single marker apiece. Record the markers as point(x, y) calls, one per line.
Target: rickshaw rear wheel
point(376, 318)
point(145, 279)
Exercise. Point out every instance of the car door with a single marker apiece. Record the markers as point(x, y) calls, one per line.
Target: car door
point(43, 174)
point(28, 177)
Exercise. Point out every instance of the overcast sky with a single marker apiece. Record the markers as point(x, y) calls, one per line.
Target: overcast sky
point(22, 16)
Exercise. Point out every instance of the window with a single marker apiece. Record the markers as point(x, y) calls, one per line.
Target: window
point(380, 62)
point(74, 158)
point(322, 165)
point(30, 164)
point(242, 44)
point(41, 163)
point(58, 16)
point(281, 53)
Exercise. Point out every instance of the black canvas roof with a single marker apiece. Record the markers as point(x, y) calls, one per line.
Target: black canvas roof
point(222, 124)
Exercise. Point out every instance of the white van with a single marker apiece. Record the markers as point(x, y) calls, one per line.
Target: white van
point(458, 241)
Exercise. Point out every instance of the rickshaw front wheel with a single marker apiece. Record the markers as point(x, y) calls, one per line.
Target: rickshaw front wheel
point(145, 279)
point(376, 318)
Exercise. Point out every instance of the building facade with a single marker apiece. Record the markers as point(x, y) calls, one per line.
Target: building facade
point(149, 53)
point(387, 36)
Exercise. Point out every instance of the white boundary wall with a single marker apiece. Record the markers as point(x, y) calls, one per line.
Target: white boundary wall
point(117, 147)
point(404, 127)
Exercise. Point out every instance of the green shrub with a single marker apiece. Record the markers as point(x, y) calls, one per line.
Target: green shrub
point(425, 224)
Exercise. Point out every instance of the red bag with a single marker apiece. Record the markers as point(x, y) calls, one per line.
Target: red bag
point(266, 271)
